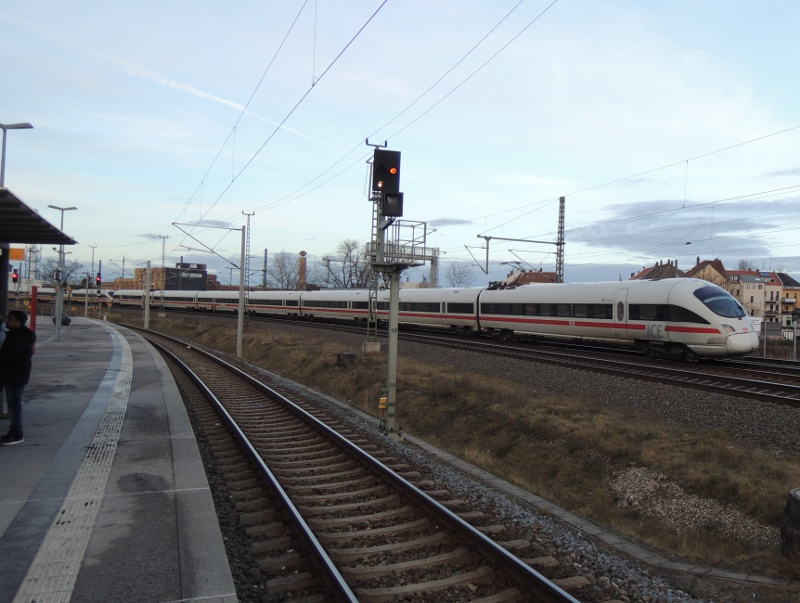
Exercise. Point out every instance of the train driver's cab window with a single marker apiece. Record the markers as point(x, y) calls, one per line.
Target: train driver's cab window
point(720, 302)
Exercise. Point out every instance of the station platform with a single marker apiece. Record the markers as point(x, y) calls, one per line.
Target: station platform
point(106, 499)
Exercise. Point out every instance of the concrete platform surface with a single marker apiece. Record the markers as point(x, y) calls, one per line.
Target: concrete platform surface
point(106, 500)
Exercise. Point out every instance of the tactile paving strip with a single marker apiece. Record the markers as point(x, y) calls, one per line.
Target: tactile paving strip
point(52, 575)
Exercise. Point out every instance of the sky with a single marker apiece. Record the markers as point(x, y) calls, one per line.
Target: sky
point(672, 129)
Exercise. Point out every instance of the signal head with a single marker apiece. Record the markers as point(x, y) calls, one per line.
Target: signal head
point(386, 171)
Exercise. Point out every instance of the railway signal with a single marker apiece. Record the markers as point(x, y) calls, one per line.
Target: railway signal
point(15, 276)
point(386, 171)
point(98, 280)
point(392, 205)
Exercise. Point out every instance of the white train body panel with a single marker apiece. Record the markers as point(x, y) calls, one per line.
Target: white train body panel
point(129, 298)
point(79, 295)
point(452, 308)
point(671, 317)
point(274, 303)
point(658, 315)
point(344, 304)
point(218, 301)
point(174, 300)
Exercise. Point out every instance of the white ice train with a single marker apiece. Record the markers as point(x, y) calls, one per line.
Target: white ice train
point(670, 318)
point(48, 294)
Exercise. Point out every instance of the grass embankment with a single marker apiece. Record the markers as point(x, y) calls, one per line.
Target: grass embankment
point(566, 450)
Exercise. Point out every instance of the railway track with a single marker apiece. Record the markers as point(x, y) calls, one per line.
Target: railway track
point(331, 515)
point(754, 378)
point(767, 382)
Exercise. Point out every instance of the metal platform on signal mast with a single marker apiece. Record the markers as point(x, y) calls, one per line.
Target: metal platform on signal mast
point(106, 499)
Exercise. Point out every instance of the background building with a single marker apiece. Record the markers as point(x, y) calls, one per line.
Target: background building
point(183, 277)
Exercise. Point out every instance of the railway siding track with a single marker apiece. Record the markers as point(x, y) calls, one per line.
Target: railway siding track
point(366, 532)
point(779, 387)
point(770, 380)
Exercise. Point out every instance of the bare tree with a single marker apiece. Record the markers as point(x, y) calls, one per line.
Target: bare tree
point(283, 271)
point(348, 268)
point(459, 274)
point(745, 265)
point(73, 271)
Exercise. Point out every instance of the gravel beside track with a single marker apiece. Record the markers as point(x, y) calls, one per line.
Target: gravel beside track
point(757, 425)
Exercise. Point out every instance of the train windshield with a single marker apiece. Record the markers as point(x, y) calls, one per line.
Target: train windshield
point(720, 302)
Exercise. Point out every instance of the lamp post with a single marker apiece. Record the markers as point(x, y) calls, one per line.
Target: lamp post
point(6, 127)
point(59, 280)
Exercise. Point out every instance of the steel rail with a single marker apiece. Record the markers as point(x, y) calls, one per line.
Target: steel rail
point(787, 394)
point(543, 589)
point(331, 575)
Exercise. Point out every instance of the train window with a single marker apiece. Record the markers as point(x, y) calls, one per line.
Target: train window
point(494, 308)
point(420, 307)
point(563, 310)
point(516, 309)
point(324, 304)
point(292, 302)
point(644, 312)
point(273, 302)
point(546, 310)
point(360, 305)
point(720, 302)
point(461, 308)
point(679, 314)
point(620, 311)
point(599, 311)
point(383, 306)
point(663, 313)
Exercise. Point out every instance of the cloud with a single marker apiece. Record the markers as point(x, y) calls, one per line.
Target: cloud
point(779, 173)
point(448, 222)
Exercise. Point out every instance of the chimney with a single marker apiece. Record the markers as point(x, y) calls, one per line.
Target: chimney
point(301, 273)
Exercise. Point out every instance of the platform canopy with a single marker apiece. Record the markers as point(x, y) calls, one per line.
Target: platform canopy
point(20, 224)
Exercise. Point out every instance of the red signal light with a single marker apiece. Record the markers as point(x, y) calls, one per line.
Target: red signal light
point(386, 171)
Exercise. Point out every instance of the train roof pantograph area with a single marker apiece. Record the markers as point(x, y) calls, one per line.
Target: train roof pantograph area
point(21, 224)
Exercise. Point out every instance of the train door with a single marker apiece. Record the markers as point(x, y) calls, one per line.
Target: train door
point(621, 331)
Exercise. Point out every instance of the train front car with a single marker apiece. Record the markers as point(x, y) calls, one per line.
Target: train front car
point(729, 331)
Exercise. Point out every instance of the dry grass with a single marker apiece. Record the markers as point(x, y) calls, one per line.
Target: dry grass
point(563, 449)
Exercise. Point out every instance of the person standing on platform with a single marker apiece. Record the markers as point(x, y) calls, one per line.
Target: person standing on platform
point(15, 371)
point(3, 410)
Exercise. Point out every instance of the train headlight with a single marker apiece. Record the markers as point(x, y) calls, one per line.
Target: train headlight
point(729, 329)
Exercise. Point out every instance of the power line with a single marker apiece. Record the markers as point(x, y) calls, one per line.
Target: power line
point(293, 109)
point(294, 196)
point(545, 203)
point(249, 100)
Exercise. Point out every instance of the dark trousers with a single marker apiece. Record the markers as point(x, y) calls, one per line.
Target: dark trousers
point(14, 400)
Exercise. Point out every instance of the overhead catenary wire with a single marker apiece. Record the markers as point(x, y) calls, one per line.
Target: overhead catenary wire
point(297, 193)
point(293, 109)
point(637, 175)
point(295, 196)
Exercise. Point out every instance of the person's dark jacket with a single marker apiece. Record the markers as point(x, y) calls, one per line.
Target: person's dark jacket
point(15, 356)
